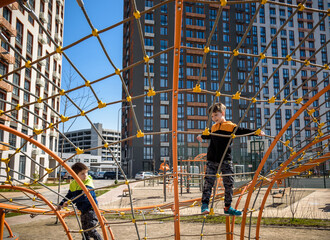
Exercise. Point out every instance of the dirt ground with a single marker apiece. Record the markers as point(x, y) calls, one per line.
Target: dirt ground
point(46, 229)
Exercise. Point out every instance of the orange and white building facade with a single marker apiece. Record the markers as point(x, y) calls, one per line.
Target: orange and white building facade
point(24, 34)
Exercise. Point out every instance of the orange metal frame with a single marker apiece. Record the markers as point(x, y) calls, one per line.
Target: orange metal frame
point(263, 161)
point(176, 61)
point(11, 235)
point(69, 170)
point(42, 198)
point(278, 175)
point(250, 187)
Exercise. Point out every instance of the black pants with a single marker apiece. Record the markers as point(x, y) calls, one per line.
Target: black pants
point(89, 220)
point(228, 181)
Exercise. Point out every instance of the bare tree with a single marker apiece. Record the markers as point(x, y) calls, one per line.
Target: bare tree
point(294, 196)
point(82, 99)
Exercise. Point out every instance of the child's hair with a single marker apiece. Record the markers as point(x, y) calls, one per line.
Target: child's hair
point(218, 107)
point(78, 167)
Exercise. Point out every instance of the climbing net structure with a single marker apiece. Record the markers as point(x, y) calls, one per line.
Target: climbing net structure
point(294, 165)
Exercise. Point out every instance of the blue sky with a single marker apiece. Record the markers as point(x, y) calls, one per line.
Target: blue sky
point(91, 61)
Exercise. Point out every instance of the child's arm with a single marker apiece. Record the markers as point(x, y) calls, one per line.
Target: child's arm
point(201, 137)
point(64, 203)
point(241, 131)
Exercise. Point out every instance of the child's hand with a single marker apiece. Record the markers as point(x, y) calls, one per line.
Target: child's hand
point(65, 204)
point(199, 138)
point(262, 133)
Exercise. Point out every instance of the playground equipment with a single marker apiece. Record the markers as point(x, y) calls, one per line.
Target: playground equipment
point(294, 165)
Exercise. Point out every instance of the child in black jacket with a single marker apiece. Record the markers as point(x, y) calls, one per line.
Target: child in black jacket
point(215, 152)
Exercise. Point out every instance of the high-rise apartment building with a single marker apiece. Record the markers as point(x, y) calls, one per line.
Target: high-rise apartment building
point(89, 138)
point(23, 33)
point(153, 113)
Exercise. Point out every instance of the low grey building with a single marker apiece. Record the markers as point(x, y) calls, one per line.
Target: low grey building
point(89, 138)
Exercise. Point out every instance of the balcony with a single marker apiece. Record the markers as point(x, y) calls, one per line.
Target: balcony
point(42, 17)
point(40, 82)
point(56, 75)
point(5, 55)
point(39, 105)
point(5, 86)
point(42, 62)
point(3, 147)
point(195, 27)
point(59, 2)
point(42, 39)
point(13, 6)
point(7, 26)
point(58, 18)
point(36, 152)
point(191, 39)
point(217, 5)
point(195, 15)
point(53, 134)
point(196, 65)
point(58, 37)
point(149, 34)
point(147, 21)
point(5, 118)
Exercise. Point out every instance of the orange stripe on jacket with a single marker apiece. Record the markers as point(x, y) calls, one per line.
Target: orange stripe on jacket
point(227, 126)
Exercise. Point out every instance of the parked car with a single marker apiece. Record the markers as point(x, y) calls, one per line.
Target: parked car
point(100, 175)
point(65, 175)
point(92, 174)
point(142, 175)
point(110, 175)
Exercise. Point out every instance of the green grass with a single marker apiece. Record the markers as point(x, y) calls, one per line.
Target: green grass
point(265, 221)
point(103, 191)
point(238, 220)
point(9, 190)
point(13, 214)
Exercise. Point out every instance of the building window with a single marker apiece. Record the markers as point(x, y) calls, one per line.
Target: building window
point(190, 111)
point(164, 152)
point(148, 153)
point(163, 31)
point(190, 124)
point(19, 34)
point(149, 41)
point(164, 137)
point(21, 167)
point(6, 13)
point(149, 29)
point(29, 43)
point(163, 20)
point(163, 123)
point(12, 139)
point(149, 16)
point(163, 71)
point(163, 109)
point(148, 139)
point(163, 44)
point(148, 124)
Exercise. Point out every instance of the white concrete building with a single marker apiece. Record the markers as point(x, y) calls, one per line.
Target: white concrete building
point(88, 138)
point(27, 37)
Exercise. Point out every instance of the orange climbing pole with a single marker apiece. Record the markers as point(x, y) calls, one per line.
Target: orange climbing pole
point(176, 61)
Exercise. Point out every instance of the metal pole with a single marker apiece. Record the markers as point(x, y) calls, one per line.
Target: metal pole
point(2, 223)
point(164, 181)
point(325, 185)
point(181, 178)
point(175, 94)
